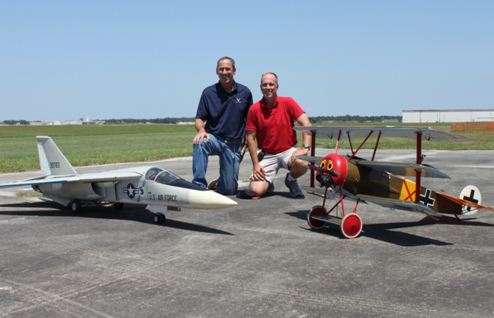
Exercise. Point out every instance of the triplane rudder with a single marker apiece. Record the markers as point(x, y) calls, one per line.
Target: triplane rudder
point(387, 184)
point(156, 188)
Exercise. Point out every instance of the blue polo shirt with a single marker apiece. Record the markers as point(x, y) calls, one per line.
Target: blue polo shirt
point(225, 113)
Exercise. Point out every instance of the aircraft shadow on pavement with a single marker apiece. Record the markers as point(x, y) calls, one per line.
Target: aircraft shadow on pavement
point(283, 194)
point(129, 213)
point(385, 231)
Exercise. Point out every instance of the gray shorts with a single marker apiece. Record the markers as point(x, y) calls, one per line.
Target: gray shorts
point(271, 163)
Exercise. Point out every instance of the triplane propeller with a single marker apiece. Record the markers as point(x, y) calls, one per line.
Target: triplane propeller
point(382, 183)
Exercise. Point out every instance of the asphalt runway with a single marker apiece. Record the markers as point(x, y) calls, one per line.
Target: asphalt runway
point(258, 259)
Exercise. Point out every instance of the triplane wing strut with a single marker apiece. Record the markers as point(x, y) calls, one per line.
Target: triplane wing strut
point(382, 183)
point(337, 133)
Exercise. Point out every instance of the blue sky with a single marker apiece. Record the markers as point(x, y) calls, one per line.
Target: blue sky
point(62, 60)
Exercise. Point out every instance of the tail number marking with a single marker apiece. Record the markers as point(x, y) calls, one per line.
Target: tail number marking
point(55, 165)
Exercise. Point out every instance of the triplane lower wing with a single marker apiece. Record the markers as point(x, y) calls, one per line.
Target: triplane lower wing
point(378, 182)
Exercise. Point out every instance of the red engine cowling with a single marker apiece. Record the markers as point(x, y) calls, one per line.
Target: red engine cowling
point(334, 169)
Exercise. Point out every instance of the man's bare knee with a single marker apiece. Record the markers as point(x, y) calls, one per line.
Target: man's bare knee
point(298, 168)
point(259, 187)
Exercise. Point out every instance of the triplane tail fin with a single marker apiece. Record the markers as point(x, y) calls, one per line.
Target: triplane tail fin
point(52, 161)
point(472, 194)
point(468, 203)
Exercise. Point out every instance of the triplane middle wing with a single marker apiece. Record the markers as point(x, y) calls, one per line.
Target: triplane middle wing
point(382, 183)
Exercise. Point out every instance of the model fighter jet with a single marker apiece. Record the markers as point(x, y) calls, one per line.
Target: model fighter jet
point(157, 188)
point(382, 183)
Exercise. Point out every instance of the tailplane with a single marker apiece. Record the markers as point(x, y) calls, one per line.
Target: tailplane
point(51, 159)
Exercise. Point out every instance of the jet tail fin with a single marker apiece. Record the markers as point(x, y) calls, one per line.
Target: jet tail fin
point(52, 161)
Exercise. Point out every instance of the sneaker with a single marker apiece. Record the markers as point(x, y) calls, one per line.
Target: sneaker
point(247, 194)
point(295, 191)
point(270, 189)
point(212, 185)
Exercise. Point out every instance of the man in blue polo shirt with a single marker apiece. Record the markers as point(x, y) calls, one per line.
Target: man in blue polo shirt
point(220, 124)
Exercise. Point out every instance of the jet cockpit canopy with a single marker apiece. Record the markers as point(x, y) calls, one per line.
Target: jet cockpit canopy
point(164, 176)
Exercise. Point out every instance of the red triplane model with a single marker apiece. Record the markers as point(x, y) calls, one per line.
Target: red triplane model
point(382, 183)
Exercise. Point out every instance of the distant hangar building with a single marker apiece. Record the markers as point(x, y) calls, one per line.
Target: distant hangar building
point(447, 115)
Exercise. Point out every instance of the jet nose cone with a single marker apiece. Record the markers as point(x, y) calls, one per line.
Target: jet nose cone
point(210, 200)
point(221, 200)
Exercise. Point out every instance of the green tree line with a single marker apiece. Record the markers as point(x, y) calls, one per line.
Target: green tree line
point(175, 120)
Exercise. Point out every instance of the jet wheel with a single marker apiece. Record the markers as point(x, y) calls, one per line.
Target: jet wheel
point(75, 206)
point(351, 225)
point(159, 218)
point(316, 210)
point(118, 206)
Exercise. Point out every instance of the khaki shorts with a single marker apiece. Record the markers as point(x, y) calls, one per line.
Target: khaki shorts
point(271, 163)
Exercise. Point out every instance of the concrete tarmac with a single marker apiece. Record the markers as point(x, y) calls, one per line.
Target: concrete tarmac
point(258, 259)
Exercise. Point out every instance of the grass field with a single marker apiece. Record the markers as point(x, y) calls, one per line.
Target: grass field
point(91, 145)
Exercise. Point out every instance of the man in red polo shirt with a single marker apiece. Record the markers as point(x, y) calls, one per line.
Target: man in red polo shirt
point(270, 121)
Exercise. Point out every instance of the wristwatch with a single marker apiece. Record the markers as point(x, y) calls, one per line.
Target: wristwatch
point(306, 146)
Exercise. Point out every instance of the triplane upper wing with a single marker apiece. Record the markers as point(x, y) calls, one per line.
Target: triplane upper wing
point(380, 182)
point(390, 131)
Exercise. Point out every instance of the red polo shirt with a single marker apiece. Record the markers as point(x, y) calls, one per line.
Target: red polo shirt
point(274, 126)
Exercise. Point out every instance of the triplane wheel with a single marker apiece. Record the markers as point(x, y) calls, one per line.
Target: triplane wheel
point(316, 210)
point(351, 225)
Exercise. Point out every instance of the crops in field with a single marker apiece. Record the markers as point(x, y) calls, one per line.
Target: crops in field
point(92, 145)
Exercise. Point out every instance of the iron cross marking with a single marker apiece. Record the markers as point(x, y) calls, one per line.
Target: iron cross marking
point(426, 199)
point(471, 199)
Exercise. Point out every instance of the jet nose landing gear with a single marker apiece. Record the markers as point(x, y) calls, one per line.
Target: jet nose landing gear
point(159, 218)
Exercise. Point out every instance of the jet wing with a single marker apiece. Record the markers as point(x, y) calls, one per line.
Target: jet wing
point(111, 176)
point(404, 169)
point(36, 182)
point(388, 131)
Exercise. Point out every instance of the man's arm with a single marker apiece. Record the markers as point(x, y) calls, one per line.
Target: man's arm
point(243, 150)
point(201, 131)
point(303, 121)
